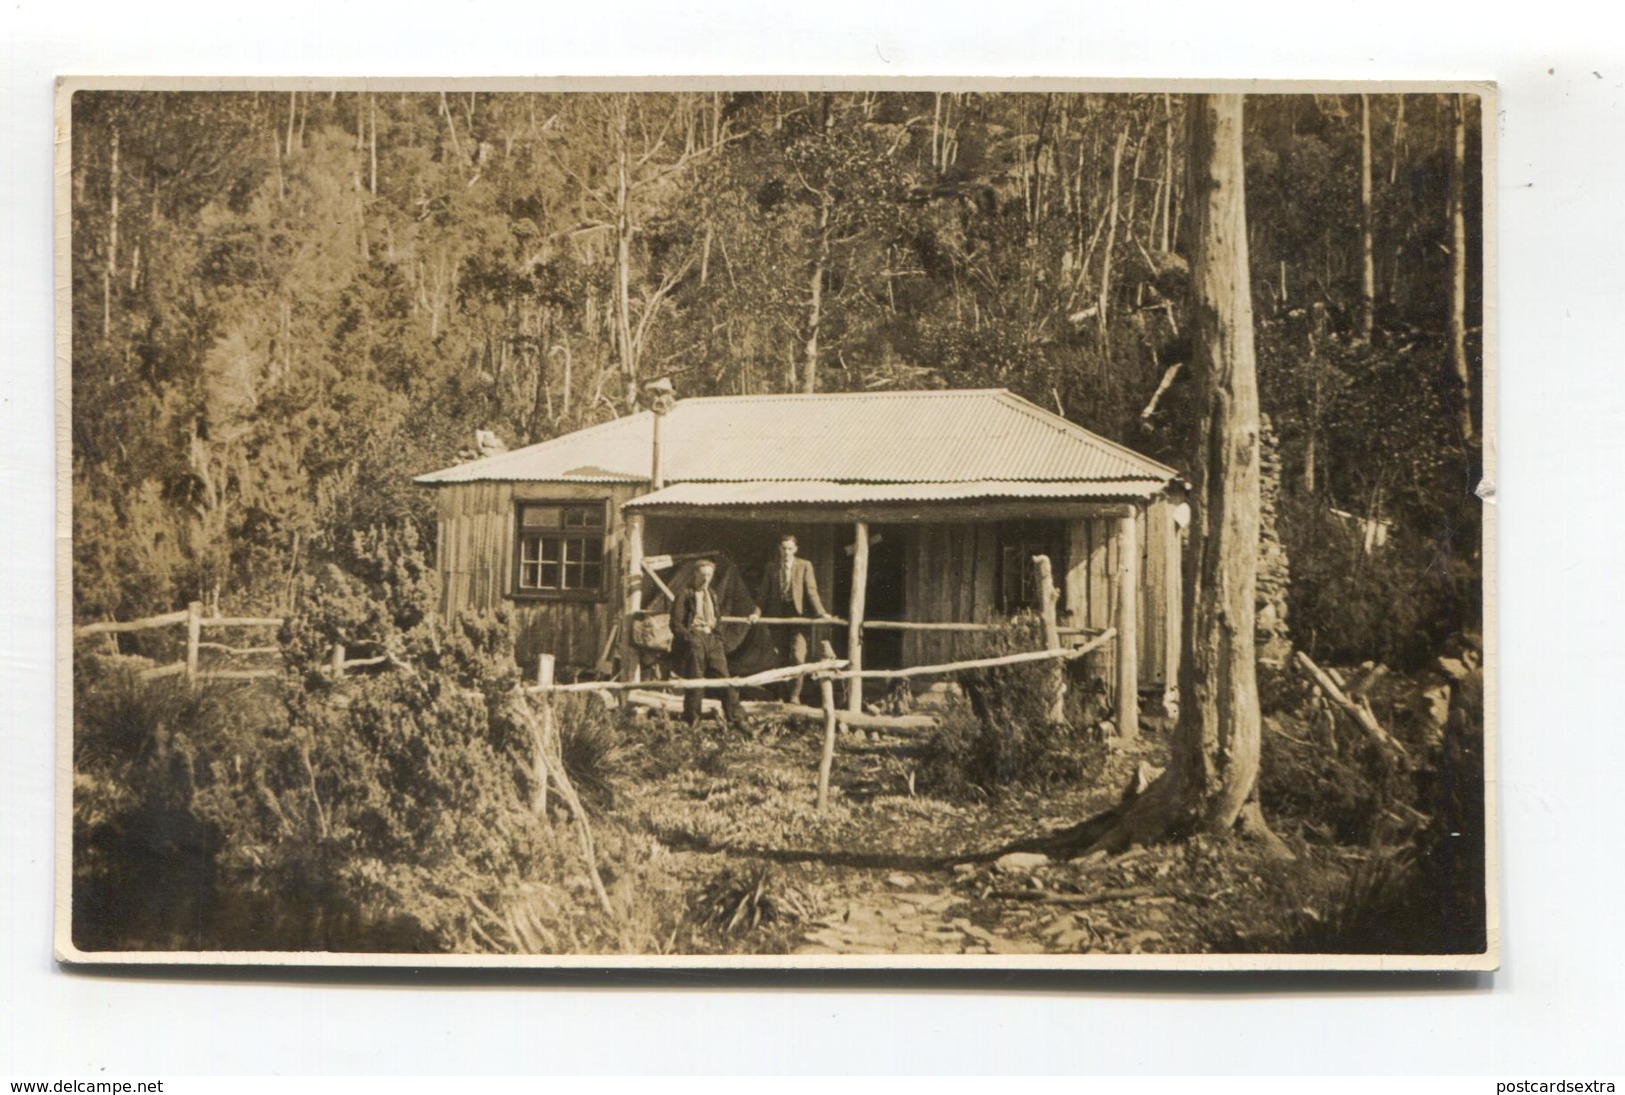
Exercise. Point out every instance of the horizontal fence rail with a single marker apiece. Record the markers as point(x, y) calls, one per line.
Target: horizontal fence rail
point(112, 627)
point(876, 625)
point(192, 618)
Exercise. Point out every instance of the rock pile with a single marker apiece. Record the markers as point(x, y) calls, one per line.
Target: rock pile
point(1274, 572)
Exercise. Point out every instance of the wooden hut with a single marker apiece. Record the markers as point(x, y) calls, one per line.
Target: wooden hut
point(914, 507)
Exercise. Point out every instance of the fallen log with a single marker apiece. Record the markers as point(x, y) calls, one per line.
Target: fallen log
point(1361, 713)
point(1101, 897)
point(860, 719)
point(909, 725)
point(163, 671)
point(241, 651)
point(659, 701)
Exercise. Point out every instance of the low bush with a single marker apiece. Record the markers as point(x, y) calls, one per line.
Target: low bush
point(1419, 888)
point(389, 811)
point(1395, 605)
point(740, 901)
point(590, 744)
point(144, 856)
point(1002, 736)
point(1335, 797)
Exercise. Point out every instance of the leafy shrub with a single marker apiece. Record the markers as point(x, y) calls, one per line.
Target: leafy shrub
point(1002, 735)
point(1421, 895)
point(740, 901)
point(1396, 605)
point(1338, 795)
point(397, 802)
point(590, 745)
point(387, 811)
point(144, 858)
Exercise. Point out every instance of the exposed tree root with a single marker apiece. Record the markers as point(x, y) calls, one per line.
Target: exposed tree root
point(1250, 825)
point(1153, 810)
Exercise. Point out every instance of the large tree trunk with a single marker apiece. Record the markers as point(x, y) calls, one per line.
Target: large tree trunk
point(1458, 269)
point(623, 256)
point(1213, 772)
point(815, 301)
point(1103, 301)
point(1167, 171)
point(110, 270)
point(1368, 264)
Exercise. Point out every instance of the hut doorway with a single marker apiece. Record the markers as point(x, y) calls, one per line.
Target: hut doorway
point(884, 596)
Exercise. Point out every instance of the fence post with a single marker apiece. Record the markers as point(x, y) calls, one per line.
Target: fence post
point(338, 661)
point(194, 632)
point(826, 694)
point(1047, 596)
point(1128, 633)
point(544, 732)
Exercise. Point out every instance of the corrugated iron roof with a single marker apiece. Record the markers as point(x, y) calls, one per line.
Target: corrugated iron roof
point(936, 437)
point(819, 492)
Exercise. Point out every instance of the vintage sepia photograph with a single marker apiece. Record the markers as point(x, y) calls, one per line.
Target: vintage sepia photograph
point(766, 523)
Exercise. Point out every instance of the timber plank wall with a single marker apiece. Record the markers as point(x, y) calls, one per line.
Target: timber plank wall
point(951, 573)
point(475, 553)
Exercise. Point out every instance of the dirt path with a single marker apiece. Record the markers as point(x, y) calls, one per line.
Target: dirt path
point(885, 870)
point(894, 921)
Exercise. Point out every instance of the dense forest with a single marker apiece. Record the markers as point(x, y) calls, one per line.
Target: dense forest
point(287, 304)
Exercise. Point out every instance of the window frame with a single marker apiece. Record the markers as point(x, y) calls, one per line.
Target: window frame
point(1024, 536)
point(563, 534)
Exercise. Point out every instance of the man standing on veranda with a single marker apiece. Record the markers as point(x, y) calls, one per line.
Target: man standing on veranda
point(694, 619)
point(789, 588)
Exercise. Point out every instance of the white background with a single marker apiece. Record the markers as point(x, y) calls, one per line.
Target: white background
point(1556, 1006)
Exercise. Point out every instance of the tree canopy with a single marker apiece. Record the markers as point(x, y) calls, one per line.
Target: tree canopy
point(285, 305)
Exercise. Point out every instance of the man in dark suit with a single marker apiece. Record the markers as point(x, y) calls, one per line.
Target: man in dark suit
point(694, 619)
point(790, 588)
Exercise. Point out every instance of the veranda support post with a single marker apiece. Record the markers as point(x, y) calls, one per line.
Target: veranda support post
point(634, 594)
point(854, 624)
point(1047, 596)
point(1128, 637)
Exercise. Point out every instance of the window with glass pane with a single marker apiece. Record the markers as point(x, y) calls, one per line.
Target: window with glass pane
point(1018, 579)
point(561, 549)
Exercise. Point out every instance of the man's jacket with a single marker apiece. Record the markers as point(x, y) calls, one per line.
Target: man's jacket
point(683, 612)
point(802, 591)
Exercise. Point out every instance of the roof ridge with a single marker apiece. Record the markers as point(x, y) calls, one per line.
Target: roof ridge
point(914, 393)
point(1147, 475)
point(498, 460)
point(1066, 425)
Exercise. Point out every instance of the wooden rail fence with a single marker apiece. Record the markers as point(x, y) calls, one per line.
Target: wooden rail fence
point(826, 672)
point(195, 622)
